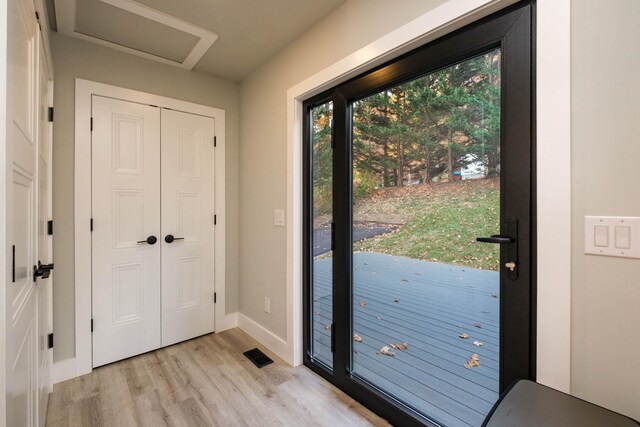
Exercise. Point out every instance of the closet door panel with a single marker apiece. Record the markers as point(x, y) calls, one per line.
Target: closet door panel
point(126, 219)
point(187, 226)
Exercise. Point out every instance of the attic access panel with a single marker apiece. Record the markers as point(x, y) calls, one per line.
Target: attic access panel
point(131, 27)
point(103, 21)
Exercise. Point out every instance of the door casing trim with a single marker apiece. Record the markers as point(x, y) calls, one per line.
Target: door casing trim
point(553, 139)
point(85, 89)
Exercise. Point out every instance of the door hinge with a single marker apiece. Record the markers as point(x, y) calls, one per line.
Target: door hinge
point(215, 141)
point(215, 219)
point(91, 123)
point(333, 236)
point(50, 341)
point(333, 338)
point(215, 297)
point(91, 224)
point(91, 325)
point(38, 21)
point(13, 264)
point(50, 114)
point(50, 227)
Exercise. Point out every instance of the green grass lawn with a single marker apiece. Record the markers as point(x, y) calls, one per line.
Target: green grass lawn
point(443, 221)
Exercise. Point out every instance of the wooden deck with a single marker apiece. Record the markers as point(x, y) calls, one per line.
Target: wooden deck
point(435, 304)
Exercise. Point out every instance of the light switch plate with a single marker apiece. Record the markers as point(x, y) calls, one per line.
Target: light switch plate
point(617, 236)
point(278, 217)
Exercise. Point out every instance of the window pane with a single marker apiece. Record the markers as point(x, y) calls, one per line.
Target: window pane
point(426, 183)
point(321, 287)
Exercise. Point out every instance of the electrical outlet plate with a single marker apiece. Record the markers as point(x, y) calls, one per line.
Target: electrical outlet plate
point(615, 236)
point(278, 217)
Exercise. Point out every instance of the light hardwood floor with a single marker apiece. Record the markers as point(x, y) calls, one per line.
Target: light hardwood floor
point(203, 382)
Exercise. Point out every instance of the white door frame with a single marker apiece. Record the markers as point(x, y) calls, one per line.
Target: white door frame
point(85, 89)
point(553, 133)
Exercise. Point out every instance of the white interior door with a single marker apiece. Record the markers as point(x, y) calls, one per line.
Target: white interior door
point(44, 247)
point(126, 218)
point(21, 292)
point(187, 226)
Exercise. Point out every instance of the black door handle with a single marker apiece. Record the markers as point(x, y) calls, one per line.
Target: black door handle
point(169, 238)
point(511, 240)
point(45, 266)
point(42, 270)
point(151, 240)
point(496, 238)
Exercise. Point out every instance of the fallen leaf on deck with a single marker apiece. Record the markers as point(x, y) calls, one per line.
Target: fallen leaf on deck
point(317, 313)
point(464, 336)
point(403, 280)
point(418, 274)
point(386, 350)
point(316, 299)
point(485, 312)
point(494, 295)
point(473, 361)
point(363, 304)
point(327, 327)
point(477, 343)
point(478, 325)
point(357, 338)
point(396, 300)
point(379, 318)
point(400, 346)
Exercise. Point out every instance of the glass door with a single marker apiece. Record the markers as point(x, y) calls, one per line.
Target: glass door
point(425, 183)
point(420, 304)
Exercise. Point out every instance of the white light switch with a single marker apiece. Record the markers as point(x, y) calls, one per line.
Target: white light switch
point(623, 237)
point(612, 236)
point(278, 217)
point(601, 236)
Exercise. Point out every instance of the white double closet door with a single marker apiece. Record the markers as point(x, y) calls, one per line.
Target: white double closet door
point(153, 228)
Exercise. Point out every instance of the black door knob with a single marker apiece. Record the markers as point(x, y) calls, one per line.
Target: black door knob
point(151, 240)
point(169, 238)
point(41, 270)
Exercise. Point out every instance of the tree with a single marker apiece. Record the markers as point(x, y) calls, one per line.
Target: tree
point(431, 126)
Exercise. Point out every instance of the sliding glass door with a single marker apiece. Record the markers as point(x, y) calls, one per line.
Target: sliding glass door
point(418, 221)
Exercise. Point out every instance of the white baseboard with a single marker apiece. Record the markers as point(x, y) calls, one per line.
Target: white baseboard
point(229, 321)
point(265, 337)
point(64, 370)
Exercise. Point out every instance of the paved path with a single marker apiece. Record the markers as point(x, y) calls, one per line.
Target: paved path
point(362, 230)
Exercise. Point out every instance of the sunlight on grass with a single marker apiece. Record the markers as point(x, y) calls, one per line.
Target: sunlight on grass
point(443, 223)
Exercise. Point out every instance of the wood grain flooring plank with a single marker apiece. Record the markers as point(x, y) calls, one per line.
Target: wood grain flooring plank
point(206, 381)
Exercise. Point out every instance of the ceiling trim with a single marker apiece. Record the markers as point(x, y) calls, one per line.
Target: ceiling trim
point(66, 20)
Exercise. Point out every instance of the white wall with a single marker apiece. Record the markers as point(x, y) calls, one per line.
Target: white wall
point(605, 320)
point(75, 58)
point(263, 136)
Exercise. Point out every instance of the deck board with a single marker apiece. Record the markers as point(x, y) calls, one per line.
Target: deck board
point(435, 303)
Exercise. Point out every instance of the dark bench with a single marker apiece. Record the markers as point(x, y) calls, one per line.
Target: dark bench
point(529, 404)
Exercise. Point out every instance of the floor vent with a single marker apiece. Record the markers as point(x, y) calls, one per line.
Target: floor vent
point(258, 358)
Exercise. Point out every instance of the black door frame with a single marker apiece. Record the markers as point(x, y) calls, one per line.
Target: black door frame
point(512, 31)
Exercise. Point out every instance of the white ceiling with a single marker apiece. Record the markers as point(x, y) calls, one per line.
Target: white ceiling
point(180, 32)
